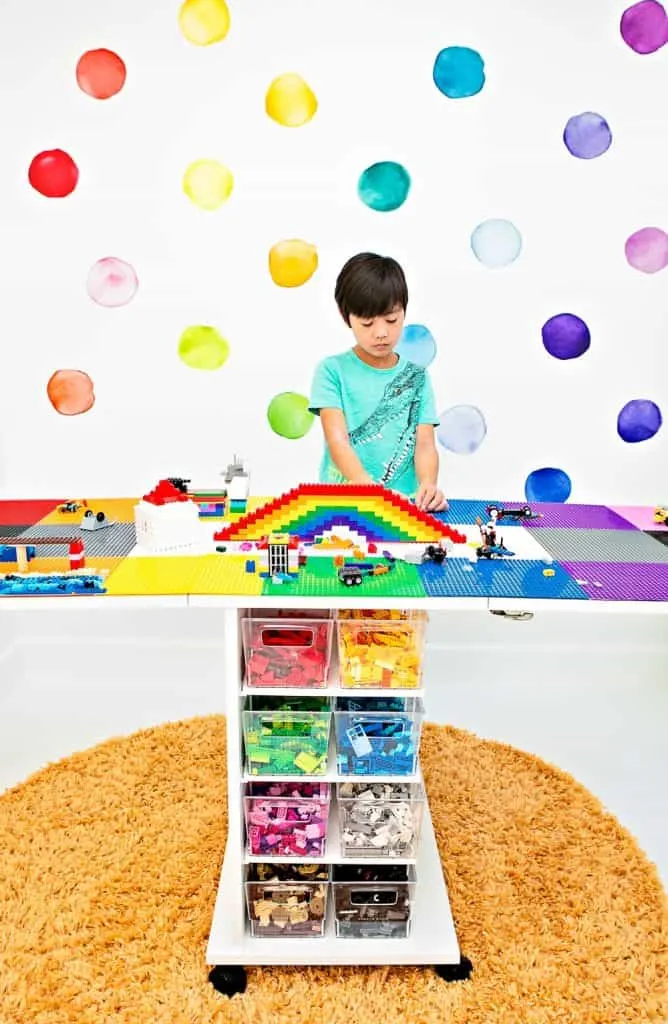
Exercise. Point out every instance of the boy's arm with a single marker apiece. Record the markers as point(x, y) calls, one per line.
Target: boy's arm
point(429, 496)
point(340, 450)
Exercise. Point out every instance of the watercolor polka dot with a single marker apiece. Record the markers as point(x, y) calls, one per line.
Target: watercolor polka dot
point(566, 336)
point(71, 392)
point(459, 72)
point(204, 22)
point(587, 135)
point(547, 484)
point(203, 348)
point(112, 282)
point(417, 344)
point(647, 250)
point(53, 173)
point(644, 26)
point(639, 420)
point(462, 429)
point(208, 184)
point(101, 73)
point(496, 243)
point(384, 186)
point(290, 101)
point(289, 415)
point(292, 262)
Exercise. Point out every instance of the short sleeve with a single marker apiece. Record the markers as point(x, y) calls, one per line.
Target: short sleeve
point(325, 388)
point(428, 412)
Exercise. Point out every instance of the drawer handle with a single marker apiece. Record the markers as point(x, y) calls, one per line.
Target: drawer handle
point(514, 616)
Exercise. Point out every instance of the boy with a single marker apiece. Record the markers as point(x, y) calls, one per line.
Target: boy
point(377, 408)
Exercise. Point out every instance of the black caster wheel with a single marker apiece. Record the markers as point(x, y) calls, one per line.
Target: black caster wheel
point(228, 980)
point(455, 972)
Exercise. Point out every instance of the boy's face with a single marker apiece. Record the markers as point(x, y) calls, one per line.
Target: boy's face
point(378, 336)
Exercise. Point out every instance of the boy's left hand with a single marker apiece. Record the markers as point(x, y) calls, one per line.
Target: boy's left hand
point(430, 499)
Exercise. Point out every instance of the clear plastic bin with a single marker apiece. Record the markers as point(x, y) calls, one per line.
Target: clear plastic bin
point(374, 901)
point(378, 735)
point(286, 735)
point(381, 652)
point(281, 651)
point(287, 900)
point(380, 819)
point(287, 819)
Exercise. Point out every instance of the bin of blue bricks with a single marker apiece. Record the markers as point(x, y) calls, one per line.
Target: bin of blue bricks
point(378, 735)
point(373, 902)
point(286, 735)
point(380, 819)
point(287, 900)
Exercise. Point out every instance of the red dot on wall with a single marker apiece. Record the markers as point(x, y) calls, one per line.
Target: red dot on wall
point(101, 73)
point(53, 173)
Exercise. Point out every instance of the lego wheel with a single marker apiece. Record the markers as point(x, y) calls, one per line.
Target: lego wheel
point(455, 972)
point(100, 517)
point(88, 513)
point(228, 980)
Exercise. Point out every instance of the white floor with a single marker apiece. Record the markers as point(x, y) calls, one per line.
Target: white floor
point(590, 697)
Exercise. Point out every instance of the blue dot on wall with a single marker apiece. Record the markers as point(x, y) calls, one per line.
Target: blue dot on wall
point(547, 484)
point(459, 72)
point(566, 336)
point(417, 344)
point(496, 243)
point(639, 420)
point(462, 429)
point(384, 186)
point(587, 135)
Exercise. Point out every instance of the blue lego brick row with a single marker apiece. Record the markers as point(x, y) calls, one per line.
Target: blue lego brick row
point(368, 526)
point(465, 510)
point(10, 554)
point(504, 577)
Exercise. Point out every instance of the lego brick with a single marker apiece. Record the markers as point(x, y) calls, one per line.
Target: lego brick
point(565, 515)
point(14, 513)
point(641, 516)
point(110, 542)
point(500, 578)
point(578, 545)
point(621, 581)
point(318, 578)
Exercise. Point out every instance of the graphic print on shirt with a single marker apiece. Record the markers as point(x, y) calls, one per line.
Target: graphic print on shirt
point(400, 401)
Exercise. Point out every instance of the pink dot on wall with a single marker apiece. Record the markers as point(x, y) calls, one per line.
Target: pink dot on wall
point(112, 282)
point(647, 250)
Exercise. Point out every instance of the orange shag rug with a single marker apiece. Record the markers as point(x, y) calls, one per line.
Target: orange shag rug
point(110, 862)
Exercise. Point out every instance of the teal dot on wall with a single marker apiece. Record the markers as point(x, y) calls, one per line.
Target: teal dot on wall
point(459, 72)
point(384, 186)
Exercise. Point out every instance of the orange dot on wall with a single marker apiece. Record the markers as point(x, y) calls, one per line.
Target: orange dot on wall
point(70, 392)
point(101, 73)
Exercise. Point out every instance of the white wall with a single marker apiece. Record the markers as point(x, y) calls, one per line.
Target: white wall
point(499, 154)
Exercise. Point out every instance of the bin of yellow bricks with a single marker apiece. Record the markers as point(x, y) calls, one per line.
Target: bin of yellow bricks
point(381, 649)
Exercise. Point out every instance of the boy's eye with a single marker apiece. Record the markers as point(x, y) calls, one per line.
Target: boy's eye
point(367, 325)
point(392, 320)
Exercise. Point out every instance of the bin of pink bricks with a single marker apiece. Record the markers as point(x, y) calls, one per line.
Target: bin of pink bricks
point(287, 819)
point(287, 652)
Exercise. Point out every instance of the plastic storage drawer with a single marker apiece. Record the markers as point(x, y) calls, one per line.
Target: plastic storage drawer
point(287, 652)
point(374, 901)
point(380, 819)
point(287, 819)
point(286, 900)
point(378, 735)
point(286, 735)
point(381, 652)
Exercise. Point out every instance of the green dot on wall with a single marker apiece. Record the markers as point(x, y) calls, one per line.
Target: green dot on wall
point(289, 415)
point(203, 348)
point(384, 186)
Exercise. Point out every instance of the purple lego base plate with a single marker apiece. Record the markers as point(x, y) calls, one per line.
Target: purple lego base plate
point(620, 581)
point(598, 517)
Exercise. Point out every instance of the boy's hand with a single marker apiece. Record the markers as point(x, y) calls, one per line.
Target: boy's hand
point(430, 499)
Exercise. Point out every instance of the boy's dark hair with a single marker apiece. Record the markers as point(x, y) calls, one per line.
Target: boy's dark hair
point(370, 285)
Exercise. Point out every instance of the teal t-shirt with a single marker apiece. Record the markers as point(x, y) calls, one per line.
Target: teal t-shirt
point(382, 408)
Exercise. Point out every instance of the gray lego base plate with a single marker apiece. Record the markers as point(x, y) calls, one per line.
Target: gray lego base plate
point(113, 542)
point(579, 545)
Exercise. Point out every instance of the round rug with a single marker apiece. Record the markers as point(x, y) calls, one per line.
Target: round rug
point(111, 858)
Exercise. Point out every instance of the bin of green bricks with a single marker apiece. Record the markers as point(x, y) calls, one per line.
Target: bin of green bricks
point(378, 735)
point(373, 902)
point(286, 735)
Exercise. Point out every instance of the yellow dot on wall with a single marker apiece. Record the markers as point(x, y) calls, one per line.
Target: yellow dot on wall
point(292, 262)
point(203, 22)
point(208, 184)
point(290, 101)
point(202, 347)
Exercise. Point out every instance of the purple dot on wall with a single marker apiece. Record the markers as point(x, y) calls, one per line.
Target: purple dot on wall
point(587, 135)
point(639, 420)
point(111, 282)
point(647, 250)
point(644, 26)
point(566, 336)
